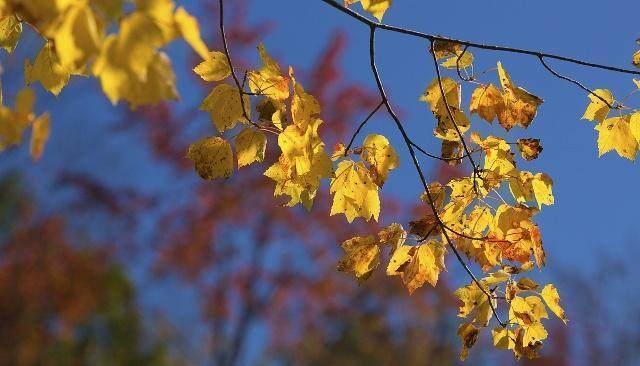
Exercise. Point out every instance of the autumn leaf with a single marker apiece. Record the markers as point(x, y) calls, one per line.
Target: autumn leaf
point(355, 193)
point(552, 298)
point(529, 149)
point(377, 151)
point(189, 29)
point(215, 67)
point(598, 110)
point(425, 266)
point(47, 70)
point(487, 102)
point(268, 80)
point(212, 157)
point(362, 256)
point(616, 134)
point(250, 146)
point(225, 107)
point(377, 8)
point(468, 333)
point(10, 32)
point(520, 106)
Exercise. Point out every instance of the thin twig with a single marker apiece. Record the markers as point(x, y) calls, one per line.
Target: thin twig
point(362, 124)
point(431, 201)
point(579, 84)
point(432, 37)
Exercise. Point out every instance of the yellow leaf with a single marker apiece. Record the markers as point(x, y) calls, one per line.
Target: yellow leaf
point(377, 8)
point(393, 235)
point(362, 256)
point(533, 334)
point(399, 259)
point(39, 136)
point(225, 107)
point(597, 110)
point(213, 158)
point(453, 52)
point(636, 59)
point(355, 193)
point(459, 60)
point(525, 187)
point(634, 124)
point(503, 338)
point(433, 96)
point(304, 107)
point(10, 31)
point(77, 38)
point(516, 235)
point(487, 102)
point(520, 106)
point(529, 148)
point(302, 164)
point(378, 152)
point(615, 134)
point(446, 128)
point(552, 298)
point(468, 333)
point(190, 30)
point(250, 146)
point(498, 155)
point(215, 67)
point(268, 80)
point(425, 266)
point(47, 70)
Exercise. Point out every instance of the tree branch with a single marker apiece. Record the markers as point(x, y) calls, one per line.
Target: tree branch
point(432, 37)
point(445, 230)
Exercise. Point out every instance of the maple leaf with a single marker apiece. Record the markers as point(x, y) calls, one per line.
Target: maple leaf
point(355, 193)
point(520, 106)
point(304, 107)
point(212, 157)
point(526, 186)
point(597, 110)
point(377, 151)
point(425, 266)
point(362, 254)
point(516, 235)
point(268, 81)
point(616, 134)
point(487, 101)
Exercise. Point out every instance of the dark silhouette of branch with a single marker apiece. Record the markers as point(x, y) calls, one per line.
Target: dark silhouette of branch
point(453, 120)
point(432, 37)
point(579, 84)
point(362, 124)
point(431, 201)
